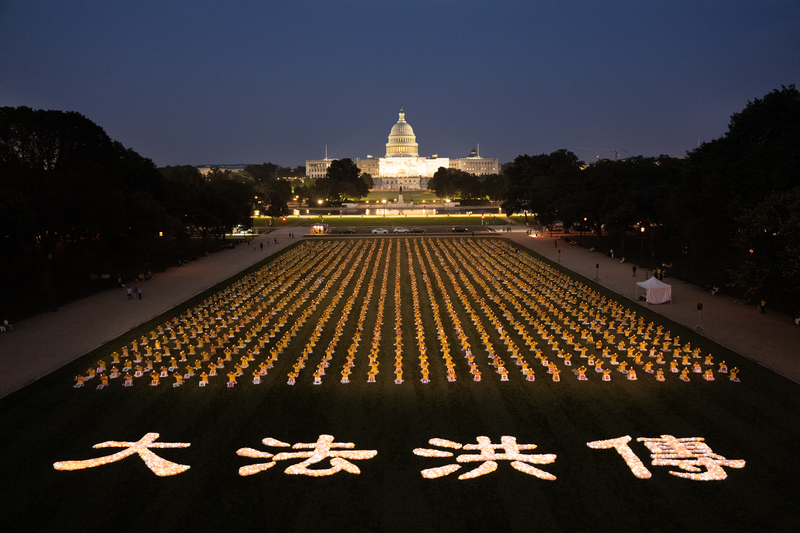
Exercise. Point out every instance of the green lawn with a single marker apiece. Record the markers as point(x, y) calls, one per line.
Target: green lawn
point(408, 196)
point(594, 490)
point(406, 222)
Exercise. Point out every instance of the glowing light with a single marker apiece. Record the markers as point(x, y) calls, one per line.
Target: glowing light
point(688, 454)
point(488, 457)
point(161, 467)
point(621, 445)
point(321, 450)
point(433, 473)
point(276, 294)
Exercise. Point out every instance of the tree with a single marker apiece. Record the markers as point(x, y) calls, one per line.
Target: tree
point(188, 200)
point(80, 187)
point(366, 177)
point(263, 172)
point(538, 183)
point(233, 202)
point(447, 182)
point(727, 176)
point(768, 241)
point(495, 187)
point(276, 195)
point(342, 180)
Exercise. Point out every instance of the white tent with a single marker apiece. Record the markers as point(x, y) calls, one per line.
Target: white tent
point(657, 292)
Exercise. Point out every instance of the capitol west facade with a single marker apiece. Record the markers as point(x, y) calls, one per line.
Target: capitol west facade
point(403, 166)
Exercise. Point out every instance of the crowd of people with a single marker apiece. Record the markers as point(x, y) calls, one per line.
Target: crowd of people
point(524, 314)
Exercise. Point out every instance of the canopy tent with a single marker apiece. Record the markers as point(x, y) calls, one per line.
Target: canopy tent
point(657, 292)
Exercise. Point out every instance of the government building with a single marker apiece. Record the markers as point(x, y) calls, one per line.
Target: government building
point(403, 167)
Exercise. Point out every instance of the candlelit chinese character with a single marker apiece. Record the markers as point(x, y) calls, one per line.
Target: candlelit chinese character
point(321, 450)
point(689, 454)
point(487, 457)
point(621, 445)
point(160, 466)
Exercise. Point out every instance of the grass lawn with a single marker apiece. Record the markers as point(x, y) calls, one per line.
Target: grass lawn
point(408, 196)
point(406, 222)
point(331, 293)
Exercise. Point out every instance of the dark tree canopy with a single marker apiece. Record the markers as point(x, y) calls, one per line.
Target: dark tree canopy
point(730, 205)
point(445, 182)
point(538, 184)
point(742, 187)
point(269, 171)
point(211, 204)
point(75, 184)
point(276, 195)
point(454, 183)
point(343, 181)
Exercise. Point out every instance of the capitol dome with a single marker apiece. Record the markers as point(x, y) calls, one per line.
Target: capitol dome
point(402, 141)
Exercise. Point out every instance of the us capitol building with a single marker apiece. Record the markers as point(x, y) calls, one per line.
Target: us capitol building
point(403, 166)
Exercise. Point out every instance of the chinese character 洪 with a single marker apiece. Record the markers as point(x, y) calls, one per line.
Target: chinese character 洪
point(320, 450)
point(488, 458)
point(160, 466)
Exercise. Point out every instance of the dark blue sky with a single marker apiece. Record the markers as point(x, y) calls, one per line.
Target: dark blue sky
point(255, 81)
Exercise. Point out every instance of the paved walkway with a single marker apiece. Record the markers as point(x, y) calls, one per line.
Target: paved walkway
point(772, 339)
point(43, 343)
point(46, 342)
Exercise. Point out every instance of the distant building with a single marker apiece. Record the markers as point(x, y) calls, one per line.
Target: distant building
point(475, 164)
point(403, 167)
point(317, 168)
point(205, 169)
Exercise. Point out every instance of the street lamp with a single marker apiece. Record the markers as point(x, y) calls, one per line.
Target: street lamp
point(641, 249)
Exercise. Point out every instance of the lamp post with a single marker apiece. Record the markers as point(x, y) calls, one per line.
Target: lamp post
point(641, 249)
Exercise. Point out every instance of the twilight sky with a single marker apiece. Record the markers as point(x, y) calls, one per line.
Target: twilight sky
point(254, 81)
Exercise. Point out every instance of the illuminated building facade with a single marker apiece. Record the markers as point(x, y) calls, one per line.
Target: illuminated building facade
point(403, 167)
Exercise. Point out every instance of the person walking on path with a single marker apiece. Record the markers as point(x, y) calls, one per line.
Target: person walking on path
point(762, 307)
point(555, 242)
point(139, 290)
point(262, 245)
point(634, 271)
point(130, 294)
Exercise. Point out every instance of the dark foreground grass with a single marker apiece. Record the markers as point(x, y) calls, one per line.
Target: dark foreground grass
point(48, 421)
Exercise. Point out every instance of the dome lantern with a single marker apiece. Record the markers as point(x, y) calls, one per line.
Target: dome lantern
point(402, 141)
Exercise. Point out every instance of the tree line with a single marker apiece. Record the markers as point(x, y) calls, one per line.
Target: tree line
point(731, 207)
point(67, 187)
